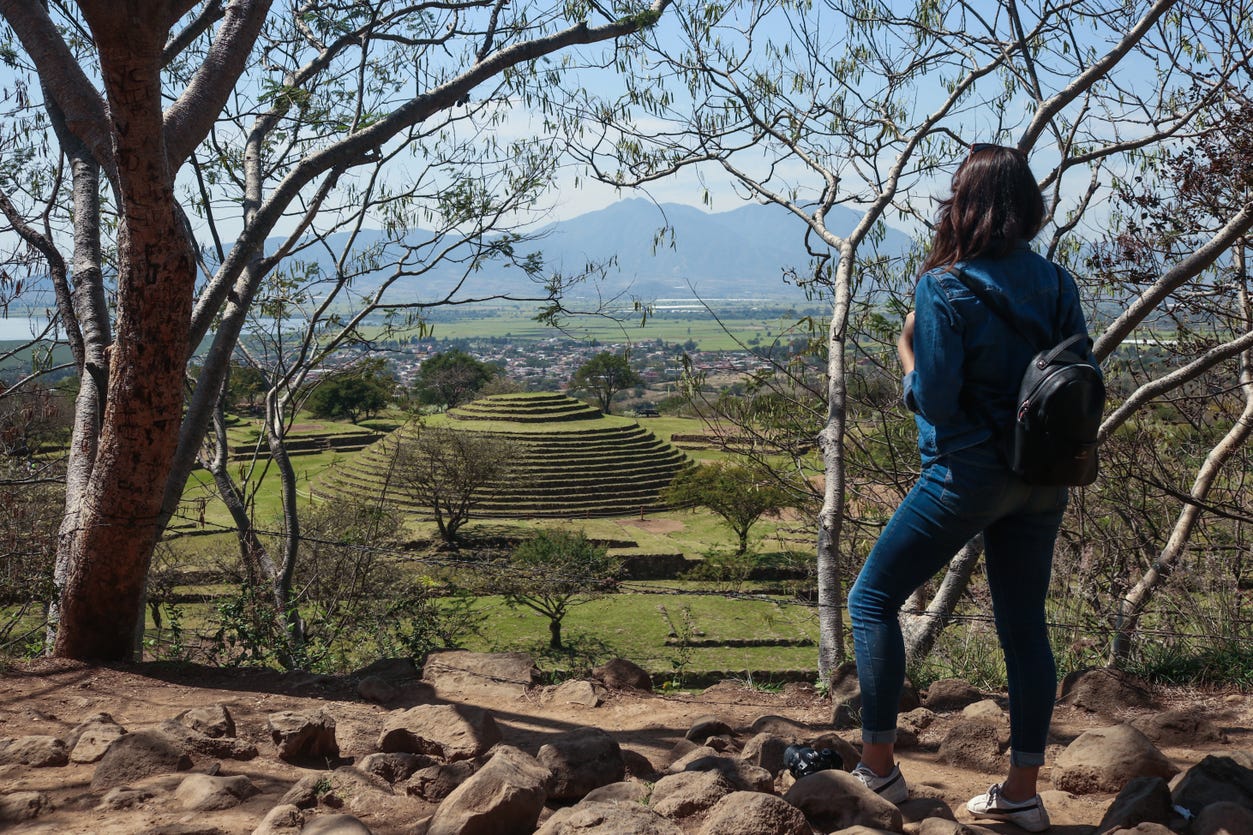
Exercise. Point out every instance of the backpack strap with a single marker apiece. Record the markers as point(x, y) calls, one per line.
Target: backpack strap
point(994, 305)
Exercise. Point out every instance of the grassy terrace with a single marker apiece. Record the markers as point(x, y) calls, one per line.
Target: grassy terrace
point(571, 461)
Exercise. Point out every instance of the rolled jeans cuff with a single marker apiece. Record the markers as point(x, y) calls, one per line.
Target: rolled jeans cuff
point(884, 737)
point(1023, 759)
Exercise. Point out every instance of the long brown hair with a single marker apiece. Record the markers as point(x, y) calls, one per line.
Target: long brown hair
point(995, 203)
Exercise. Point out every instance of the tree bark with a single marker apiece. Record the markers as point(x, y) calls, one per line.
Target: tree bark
point(922, 630)
point(106, 550)
point(831, 441)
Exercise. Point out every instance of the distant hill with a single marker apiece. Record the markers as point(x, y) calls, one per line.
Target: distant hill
point(740, 253)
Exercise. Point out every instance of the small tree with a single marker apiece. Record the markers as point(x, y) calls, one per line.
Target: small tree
point(358, 394)
point(449, 472)
point(736, 493)
point(603, 376)
point(557, 570)
point(452, 378)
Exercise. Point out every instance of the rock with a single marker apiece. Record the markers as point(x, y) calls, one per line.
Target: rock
point(1105, 760)
point(765, 750)
point(203, 793)
point(974, 744)
point(919, 808)
point(197, 743)
point(723, 744)
point(451, 732)
point(377, 689)
point(124, 798)
point(214, 721)
point(476, 673)
point(916, 720)
point(36, 751)
point(134, 756)
point(779, 726)
point(343, 786)
point(336, 825)
point(395, 767)
point(436, 782)
point(89, 740)
point(950, 694)
point(19, 806)
point(742, 776)
point(303, 737)
point(1144, 829)
point(627, 791)
point(581, 760)
point(505, 797)
point(688, 793)
point(1216, 780)
point(284, 819)
point(619, 674)
point(608, 819)
point(577, 692)
point(1225, 818)
point(985, 710)
point(1184, 728)
point(834, 800)
point(1142, 799)
point(753, 813)
point(395, 670)
point(1103, 691)
point(638, 765)
point(706, 726)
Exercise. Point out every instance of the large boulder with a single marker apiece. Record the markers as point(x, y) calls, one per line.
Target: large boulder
point(458, 673)
point(452, 732)
point(600, 818)
point(1224, 818)
point(134, 756)
point(19, 806)
point(205, 793)
point(345, 786)
point(1178, 727)
point(1142, 799)
point(436, 782)
point(581, 760)
point(1216, 780)
point(91, 738)
point(36, 751)
point(304, 737)
point(336, 825)
point(742, 775)
point(845, 693)
point(834, 800)
point(754, 813)
point(226, 747)
point(619, 674)
point(213, 721)
point(688, 793)
point(975, 744)
point(1106, 759)
point(950, 694)
point(1103, 691)
point(706, 726)
point(505, 797)
point(765, 751)
point(395, 767)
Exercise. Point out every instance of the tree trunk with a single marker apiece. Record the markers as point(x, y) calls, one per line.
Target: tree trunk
point(831, 516)
point(923, 629)
point(554, 634)
point(293, 626)
point(106, 550)
point(1136, 600)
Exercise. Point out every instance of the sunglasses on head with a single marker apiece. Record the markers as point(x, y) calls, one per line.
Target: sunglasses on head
point(976, 147)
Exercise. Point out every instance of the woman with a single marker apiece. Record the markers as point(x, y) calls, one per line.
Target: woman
point(962, 366)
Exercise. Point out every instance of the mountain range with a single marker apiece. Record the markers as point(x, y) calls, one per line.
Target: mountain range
point(741, 253)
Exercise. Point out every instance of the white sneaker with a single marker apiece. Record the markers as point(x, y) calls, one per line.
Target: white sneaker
point(1027, 814)
point(891, 788)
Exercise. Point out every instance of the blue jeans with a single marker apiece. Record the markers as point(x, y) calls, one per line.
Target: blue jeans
point(956, 497)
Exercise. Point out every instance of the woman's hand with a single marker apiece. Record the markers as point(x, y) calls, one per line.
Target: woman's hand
point(905, 343)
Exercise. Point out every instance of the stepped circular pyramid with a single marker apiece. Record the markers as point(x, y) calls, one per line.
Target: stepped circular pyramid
point(571, 461)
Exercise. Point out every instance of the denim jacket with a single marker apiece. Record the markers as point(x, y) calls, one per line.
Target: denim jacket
point(969, 361)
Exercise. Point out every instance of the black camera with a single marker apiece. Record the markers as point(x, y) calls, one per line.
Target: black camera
point(803, 760)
